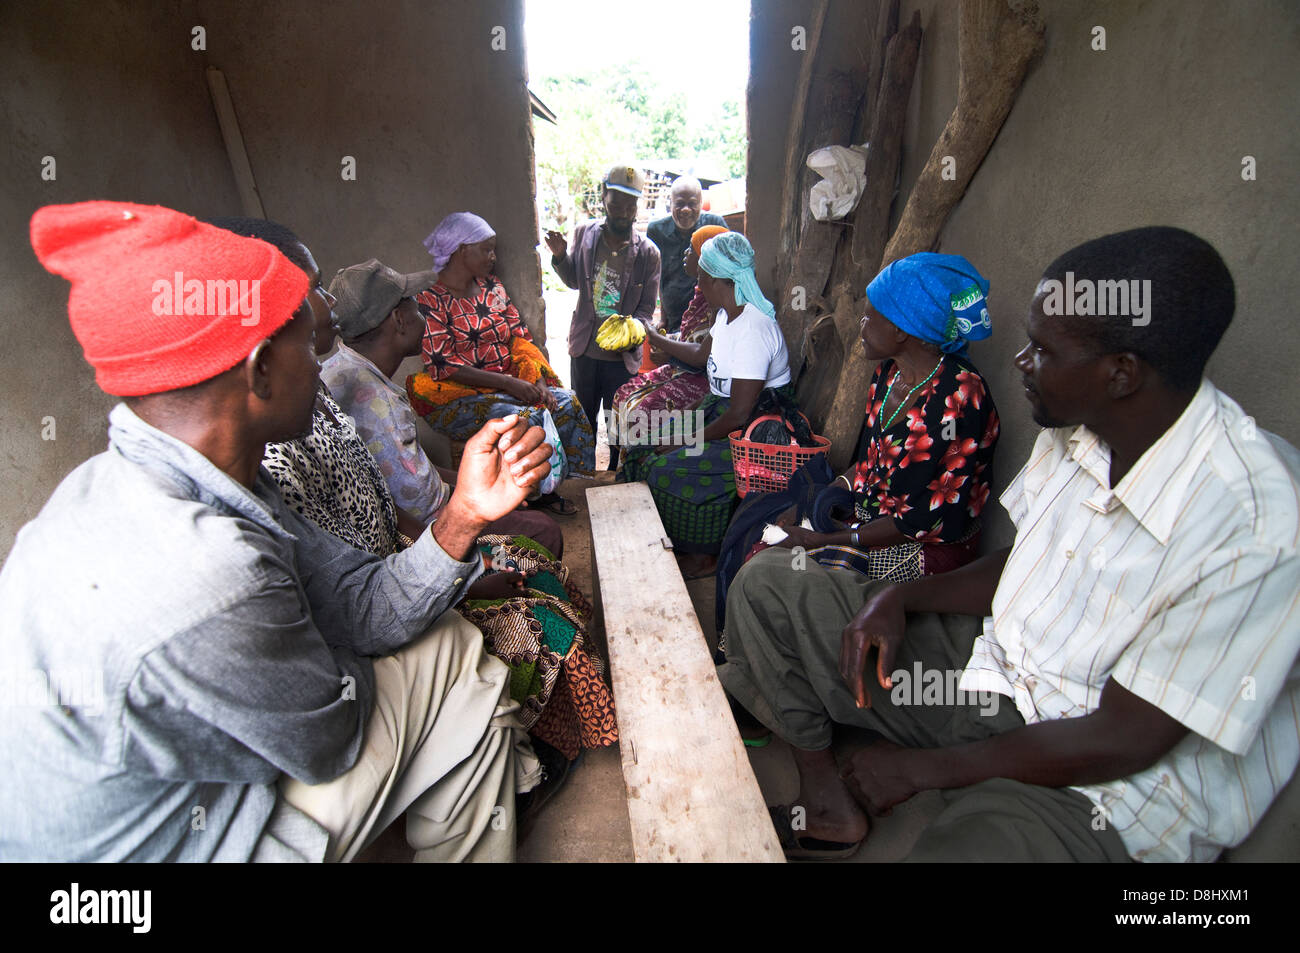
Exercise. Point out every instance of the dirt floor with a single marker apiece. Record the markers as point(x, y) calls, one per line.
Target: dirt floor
point(587, 820)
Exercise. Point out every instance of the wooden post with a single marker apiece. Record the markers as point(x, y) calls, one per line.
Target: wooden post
point(860, 258)
point(995, 46)
point(234, 139)
point(789, 232)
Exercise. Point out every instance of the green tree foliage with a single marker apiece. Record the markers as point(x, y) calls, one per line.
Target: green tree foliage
point(620, 113)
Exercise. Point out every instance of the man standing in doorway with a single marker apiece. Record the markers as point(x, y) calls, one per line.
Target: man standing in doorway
point(616, 271)
point(672, 235)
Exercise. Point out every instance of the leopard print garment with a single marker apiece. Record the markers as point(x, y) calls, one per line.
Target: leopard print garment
point(330, 477)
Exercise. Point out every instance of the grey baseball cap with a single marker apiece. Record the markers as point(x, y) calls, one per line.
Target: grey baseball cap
point(368, 293)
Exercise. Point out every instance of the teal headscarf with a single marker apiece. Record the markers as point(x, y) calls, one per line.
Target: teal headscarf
point(730, 256)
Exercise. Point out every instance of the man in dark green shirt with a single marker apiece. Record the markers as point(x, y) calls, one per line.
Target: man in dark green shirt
point(672, 234)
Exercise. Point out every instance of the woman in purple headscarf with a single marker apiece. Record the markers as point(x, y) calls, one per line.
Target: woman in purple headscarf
point(479, 358)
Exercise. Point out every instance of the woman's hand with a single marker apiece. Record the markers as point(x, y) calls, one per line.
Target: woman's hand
point(524, 392)
point(799, 536)
point(499, 585)
point(881, 622)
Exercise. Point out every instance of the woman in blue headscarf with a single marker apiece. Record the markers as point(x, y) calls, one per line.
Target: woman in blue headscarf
point(912, 502)
point(690, 476)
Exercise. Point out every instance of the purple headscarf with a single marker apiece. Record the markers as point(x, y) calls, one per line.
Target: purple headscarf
point(458, 228)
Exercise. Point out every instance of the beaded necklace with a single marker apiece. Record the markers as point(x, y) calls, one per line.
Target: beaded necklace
point(906, 400)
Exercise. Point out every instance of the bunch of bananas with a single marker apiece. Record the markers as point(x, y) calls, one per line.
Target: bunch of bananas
point(620, 332)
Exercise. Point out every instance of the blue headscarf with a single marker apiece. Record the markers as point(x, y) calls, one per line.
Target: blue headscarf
point(730, 256)
point(940, 299)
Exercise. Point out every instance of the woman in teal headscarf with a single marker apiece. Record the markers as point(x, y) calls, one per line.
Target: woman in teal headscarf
point(690, 475)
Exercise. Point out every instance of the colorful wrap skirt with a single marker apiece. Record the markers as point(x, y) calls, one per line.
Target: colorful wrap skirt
point(541, 635)
point(695, 493)
point(667, 387)
point(460, 412)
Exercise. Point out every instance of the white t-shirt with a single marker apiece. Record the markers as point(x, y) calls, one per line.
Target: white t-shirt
point(750, 348)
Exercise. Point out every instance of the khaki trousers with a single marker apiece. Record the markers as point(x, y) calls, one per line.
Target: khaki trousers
point(783, 646)
point(442, 744)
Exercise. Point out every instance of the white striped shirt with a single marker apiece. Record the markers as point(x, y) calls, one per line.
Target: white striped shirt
point(1182, 583)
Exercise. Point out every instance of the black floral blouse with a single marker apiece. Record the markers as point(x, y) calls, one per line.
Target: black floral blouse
point(931, 469)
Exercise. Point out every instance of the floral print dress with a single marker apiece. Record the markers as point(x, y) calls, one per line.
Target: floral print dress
point(929, 471)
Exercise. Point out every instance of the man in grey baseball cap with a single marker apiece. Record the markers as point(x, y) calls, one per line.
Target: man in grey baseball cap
point(380, 326)
point(369, 292)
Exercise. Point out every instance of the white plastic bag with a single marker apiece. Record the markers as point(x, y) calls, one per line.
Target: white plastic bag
point(559, 462)
point(844, 178)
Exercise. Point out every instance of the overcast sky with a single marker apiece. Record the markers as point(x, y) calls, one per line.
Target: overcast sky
point(710, 36)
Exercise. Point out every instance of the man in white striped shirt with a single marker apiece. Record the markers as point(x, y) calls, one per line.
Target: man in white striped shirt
point(1146, 620)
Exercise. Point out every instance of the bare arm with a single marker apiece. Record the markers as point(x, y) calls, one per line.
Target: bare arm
point(1124, 736)
point(878, 532)
point(744, 394)
point(882, 621)
point(968, 589)
point(696, 355)
point(561, 260)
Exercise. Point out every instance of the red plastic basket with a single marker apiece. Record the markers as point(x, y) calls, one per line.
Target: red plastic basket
point(767, 467)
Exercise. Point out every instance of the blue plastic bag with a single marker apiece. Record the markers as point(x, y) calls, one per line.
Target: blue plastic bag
point(559, 462)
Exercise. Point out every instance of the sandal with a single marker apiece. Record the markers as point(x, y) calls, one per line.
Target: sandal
point(555, 503)
point(753, 733)
point(799, 846)
point(556, 770)
point(711, 570)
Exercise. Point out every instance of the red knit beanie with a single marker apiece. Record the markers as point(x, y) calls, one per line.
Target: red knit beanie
point(160, 301)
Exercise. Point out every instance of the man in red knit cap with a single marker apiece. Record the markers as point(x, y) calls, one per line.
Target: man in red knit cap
point(218, 678)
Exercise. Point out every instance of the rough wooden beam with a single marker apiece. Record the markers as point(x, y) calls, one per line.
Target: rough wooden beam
point(886, 27)
point(995, 46)
point(834, 100)
point(833, 105)
point(860, 258)
point(794, 157)
point(871, 221)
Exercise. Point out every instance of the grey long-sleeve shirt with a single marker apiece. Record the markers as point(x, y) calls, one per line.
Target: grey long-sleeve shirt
point(172, 642)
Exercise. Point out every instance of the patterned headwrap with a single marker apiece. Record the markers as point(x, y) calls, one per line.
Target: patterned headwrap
point(458, 228)
point(940, 299)
point(730, 256)
point(703, 234)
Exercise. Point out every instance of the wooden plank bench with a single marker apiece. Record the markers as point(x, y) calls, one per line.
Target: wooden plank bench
point(692, 795)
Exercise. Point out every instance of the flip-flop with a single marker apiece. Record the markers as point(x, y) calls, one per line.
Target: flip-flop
point(555, 504)
point(760, 736)
point(799, 846)
point(688, 577)
point(556, 771)
point(705, 574)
